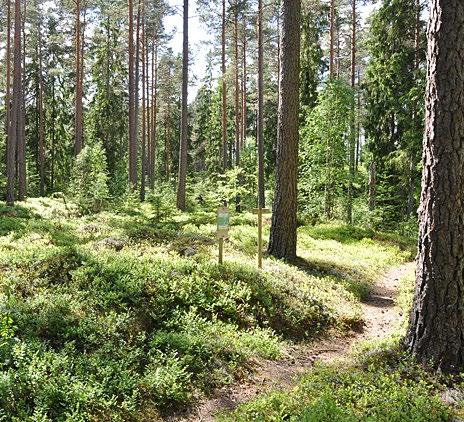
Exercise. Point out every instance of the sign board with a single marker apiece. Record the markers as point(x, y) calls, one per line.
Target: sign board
point(223, 222)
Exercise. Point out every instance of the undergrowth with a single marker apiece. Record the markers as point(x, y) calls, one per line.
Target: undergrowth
point(125, 315)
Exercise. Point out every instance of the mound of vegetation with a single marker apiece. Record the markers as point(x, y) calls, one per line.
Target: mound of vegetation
point(104, 317)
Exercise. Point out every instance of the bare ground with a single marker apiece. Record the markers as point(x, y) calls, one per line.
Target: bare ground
point(380, 316)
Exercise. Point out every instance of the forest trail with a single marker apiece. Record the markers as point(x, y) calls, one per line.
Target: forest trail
point(380, 315)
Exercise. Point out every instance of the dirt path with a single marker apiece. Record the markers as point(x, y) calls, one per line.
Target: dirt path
point(380, 316)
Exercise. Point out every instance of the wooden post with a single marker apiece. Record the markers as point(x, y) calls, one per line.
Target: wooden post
point(260, 211)
point(222, 232)
point(221, 250)
point(260, 238)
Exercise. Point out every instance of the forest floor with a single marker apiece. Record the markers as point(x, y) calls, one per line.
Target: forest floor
point(125, 315)
point(380, 315)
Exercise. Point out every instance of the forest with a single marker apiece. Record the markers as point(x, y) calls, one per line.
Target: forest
point(252, 214)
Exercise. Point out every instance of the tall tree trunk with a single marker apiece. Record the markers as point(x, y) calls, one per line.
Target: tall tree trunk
point(283, 236)
point(358, 128)
point(260, 123)
point(21, 141)
point(144, 110)
point(40, 107)
point(167, 141)
point(154, 94)
point(147, 107)
point(184, 117)
point(53, 135)
point(237, 103)
point(436, 330)
point(13, 129)
point(224, 90)
point(8, 69)
point(132, 124)
point(352, 138)
point(332, 39)
point(137, 84)
point(244, 83)
point(78, 117)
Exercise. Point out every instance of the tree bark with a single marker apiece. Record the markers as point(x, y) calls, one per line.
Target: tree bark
point(21, 140)
point(8, 68)
point(132, 126)
point(144, 116)
point(154, 114)
point(224, 90)
point(184, 117)
point(13, 128)
point(260, 123)
point(40, 107)
point(283, 236)
point(237, 103)
point(78, 136)
point(436, 330)
point(352, 138)
point(331, 39)
point(244, 83)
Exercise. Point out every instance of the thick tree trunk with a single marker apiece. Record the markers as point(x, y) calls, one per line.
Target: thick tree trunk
point(154, 114)
point(331, 39)
point(8, 68)
point(352, 139)
point(260, 123)
point(144, 115)
point(137, 83)
point(78, 117)
point(132, 126)
point(436, 330)
point(14, 128)
point(224, 90)
point(21, 141)
point(184, 118)
point(244, 83)
point(237, 103)
point(40, 107)
point(283, 236)
point(147, 108)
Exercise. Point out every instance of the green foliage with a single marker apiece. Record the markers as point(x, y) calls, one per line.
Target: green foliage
point(394, 87)
point(89, 187)
point(380, 393)
point(90, 333)
point(323, 171)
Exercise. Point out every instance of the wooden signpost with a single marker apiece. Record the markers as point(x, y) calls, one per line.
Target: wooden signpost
point(260, 212)
point(223, 222)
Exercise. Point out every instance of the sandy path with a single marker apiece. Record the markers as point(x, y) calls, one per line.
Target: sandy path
point(380, 316)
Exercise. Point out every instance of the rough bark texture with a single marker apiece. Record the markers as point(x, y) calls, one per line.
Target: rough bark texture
point(154, 114)
point(21, 140)
point(436, 331)
point(260, 123)
point(224, 90)
point(244, 83)
point(331, 39)
point(144, 110)
point(352, 140)
point(237, 103)
point(78, 116)
point(40, 107)
point(8, 68)
point(132, 127)
point(13, 129)
point(282, 242)
point(184, 117)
